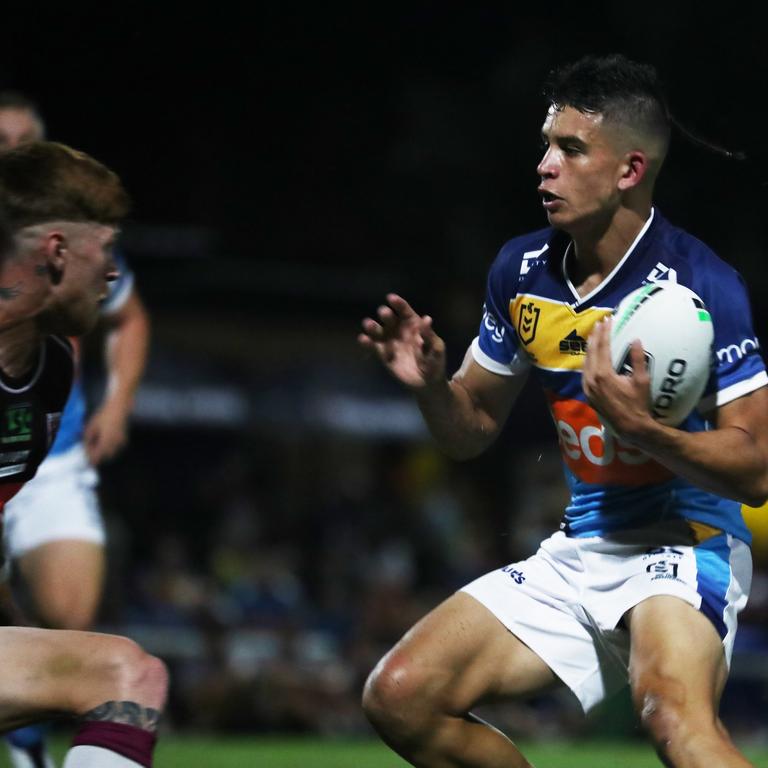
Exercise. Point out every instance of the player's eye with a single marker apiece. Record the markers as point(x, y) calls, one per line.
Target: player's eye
point(572, 150)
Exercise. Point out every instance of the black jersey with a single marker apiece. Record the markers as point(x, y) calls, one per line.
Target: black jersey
point(30, 412)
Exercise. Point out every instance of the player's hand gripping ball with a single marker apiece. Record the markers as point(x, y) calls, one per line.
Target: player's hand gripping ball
point(676, 332)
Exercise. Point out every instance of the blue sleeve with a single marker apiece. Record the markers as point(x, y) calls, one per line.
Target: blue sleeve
point(738, 364)
point(496, 347)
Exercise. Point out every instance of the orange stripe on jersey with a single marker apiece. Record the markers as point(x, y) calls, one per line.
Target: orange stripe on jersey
point(594, 454)
point(553, 334)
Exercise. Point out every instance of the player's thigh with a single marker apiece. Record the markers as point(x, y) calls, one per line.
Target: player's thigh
point(460, 655)
point(64, 578)
point(676, 655)
point(44, 672)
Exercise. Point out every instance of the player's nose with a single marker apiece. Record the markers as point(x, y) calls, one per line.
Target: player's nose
point(547, 167)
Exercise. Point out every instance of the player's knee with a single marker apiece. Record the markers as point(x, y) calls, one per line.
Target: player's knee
point(660, 714)
point(669, 719)
point(150, 681)
point(395, 700)
point(128, 673)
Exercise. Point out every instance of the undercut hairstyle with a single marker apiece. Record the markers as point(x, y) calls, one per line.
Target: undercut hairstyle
point(18, 100)
point(621, 90)
point(44, 181)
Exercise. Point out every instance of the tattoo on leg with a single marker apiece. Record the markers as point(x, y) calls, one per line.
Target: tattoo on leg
point(125, 712)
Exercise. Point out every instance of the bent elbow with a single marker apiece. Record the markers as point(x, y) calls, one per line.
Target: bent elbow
point(756, 500)
point(757, 495)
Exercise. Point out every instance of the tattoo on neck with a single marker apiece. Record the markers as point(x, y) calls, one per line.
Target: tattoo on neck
point(10, 292)
point(125, 712)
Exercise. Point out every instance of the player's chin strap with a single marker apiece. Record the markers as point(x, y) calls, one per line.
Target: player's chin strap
point(705, 143)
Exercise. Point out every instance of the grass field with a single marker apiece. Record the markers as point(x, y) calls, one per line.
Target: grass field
point(196, 752)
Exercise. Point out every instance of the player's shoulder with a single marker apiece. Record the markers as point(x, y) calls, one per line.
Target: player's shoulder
point(695, 263)
point(517, 247)
point(518, 255)
point(681, 245)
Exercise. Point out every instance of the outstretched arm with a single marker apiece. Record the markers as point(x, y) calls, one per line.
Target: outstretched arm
point(464, 414)
point(730, 460)
point(126, 342)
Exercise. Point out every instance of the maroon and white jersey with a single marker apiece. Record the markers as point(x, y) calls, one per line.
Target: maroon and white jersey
point(30, 412)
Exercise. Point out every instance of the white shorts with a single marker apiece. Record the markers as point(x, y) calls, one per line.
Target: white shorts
point(60, 502)
point(566, 601)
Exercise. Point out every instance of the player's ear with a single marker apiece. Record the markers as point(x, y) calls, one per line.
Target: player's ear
point(55, 248)
point(633, 169)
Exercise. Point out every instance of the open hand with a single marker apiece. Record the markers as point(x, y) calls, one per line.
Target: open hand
point(406, 343)
point(623, 402)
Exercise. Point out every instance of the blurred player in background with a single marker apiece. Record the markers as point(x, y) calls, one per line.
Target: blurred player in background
point(59, 217)
point(53, 529)
point(643, 583)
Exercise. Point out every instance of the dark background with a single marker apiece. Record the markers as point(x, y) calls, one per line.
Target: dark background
point(289, 165)
point(311, 145)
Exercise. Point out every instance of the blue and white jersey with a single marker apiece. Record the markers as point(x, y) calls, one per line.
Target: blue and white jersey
point(73, 419)
point(534, 318)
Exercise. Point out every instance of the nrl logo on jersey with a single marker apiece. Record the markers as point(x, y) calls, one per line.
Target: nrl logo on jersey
point(528, 322)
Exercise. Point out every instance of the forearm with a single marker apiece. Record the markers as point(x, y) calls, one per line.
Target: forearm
point(728, 461)
point(458, 424)
point(126, 359)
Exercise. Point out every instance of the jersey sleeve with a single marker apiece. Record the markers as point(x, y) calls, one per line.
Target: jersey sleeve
point(120, 289)
point(738, 366)
point(496, 347)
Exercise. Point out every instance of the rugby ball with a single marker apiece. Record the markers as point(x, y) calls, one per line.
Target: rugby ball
point(676, 332)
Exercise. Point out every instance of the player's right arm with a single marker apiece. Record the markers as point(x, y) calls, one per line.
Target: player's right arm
point(464, 413)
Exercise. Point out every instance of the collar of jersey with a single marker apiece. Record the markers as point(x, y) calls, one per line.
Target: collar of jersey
point(581, 300)
point(17, 386)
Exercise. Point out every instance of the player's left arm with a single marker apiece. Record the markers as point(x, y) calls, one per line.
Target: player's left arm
point(730, 460)
point(126, 344)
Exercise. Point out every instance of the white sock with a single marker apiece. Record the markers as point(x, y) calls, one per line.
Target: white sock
point(86, 756)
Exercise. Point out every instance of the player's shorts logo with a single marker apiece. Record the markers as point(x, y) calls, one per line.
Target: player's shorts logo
point(662, 569)
point(517, 576)
point(528, 321)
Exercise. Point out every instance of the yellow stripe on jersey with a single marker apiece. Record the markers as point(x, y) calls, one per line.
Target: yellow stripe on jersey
point(756, 519)
point(552, 333)
point(702, 531)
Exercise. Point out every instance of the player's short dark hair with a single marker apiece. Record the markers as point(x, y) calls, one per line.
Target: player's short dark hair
point(622, 90)
point(45, 181)
point(18, 100)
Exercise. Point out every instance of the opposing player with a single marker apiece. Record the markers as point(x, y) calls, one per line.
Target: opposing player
point(644, 580)
point(53, 532)
point(59, 211)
